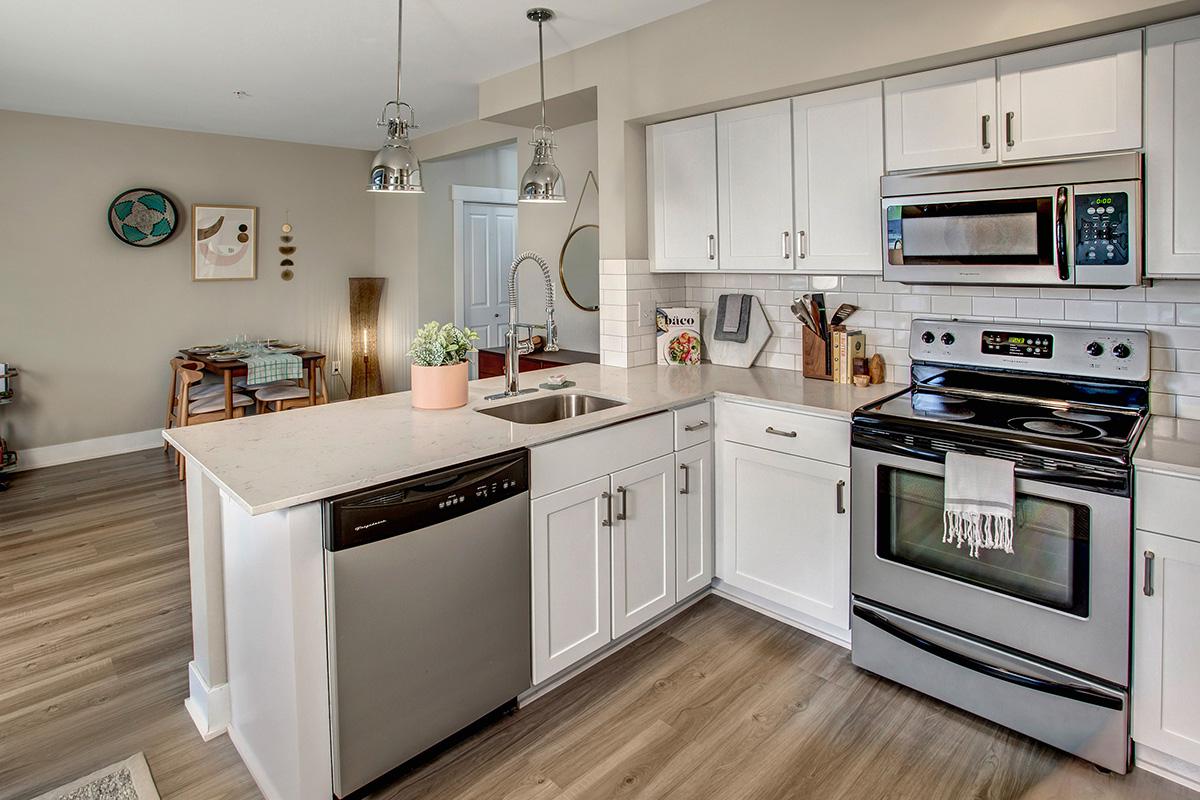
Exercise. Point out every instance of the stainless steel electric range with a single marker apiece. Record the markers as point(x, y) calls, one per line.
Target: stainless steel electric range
point(1036, 640)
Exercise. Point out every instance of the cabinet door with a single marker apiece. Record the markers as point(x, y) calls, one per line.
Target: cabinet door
point(785, 530)
point(1172, 154)
point(681, 167)
point(1166, 645)
point(572, 563)
point(838, 159)
point(1080, 97)
point(643, 543)
point(694, 540)
point(942, 118)
point(754, 178)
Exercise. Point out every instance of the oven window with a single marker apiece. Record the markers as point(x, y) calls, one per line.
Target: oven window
point(999, 232)
point(1049, 563)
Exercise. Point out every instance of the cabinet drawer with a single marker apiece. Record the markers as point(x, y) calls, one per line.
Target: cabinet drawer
point(693, 425)
point(564, 463)
point(1156, 505)
point(786, 432)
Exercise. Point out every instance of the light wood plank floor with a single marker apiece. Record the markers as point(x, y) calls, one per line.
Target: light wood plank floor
point(718, 703)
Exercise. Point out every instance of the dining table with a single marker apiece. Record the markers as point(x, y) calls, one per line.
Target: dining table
point(228, 370)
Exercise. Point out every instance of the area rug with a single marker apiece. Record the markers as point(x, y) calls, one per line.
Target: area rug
point(128, 780)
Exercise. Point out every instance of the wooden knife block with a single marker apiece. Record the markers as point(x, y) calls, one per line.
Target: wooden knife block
point(816, 356)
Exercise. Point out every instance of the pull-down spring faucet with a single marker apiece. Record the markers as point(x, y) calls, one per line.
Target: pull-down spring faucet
point(516, 346)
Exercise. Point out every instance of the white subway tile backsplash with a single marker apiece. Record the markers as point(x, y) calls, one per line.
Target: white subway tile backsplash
point(1165, 359)
point(1018, 291)
point(1187, 313)
point(1184, 361)
point(1066, 294)
point(946, 304)
point(1145, 313)
point(972, 291)
point(764, 281)
point(1039, 308)
point(875, 302)
point(994, 306)
point(912, 303)
point(893, 320)
point(858, 283)
point(1091, 310)
point(824, 283)
point(1185, 406)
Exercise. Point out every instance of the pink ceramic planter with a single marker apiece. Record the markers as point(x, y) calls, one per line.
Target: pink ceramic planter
point(439, 387)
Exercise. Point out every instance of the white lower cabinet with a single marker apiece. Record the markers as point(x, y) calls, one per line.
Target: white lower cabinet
point(643, 543)
point(572, 576)
point(785, 530)
point(1166, 643)
point(694, 540)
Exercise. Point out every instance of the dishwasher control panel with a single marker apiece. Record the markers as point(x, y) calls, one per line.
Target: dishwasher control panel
point(423, 501)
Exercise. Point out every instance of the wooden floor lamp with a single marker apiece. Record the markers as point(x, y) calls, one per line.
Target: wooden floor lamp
point(364, 337)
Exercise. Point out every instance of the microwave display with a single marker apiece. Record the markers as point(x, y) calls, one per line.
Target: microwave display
point(1026, 345)
point(1102, 228)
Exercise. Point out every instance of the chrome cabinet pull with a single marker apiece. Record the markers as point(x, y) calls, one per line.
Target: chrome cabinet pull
point(1008, 128)
point(787, 250)
point(801, 244)
point(686, 480)
point(607, 521)
point(841, 497)
point(624, 512)
point(987, 119)
point(712, 247)
point(699, 426)
point(788, 434)
point(1148, 573)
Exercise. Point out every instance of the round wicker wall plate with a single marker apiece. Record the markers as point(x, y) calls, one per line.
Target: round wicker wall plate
point(142, 217)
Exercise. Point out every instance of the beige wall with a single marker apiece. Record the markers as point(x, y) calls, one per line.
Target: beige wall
point(91, 321)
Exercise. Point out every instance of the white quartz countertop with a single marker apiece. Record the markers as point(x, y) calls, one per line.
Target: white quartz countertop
point(273, 461)
point(1170, 445)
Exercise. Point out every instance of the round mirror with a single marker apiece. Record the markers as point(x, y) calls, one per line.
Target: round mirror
point(579, 267)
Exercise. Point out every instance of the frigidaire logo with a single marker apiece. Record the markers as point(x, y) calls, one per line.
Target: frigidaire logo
point(370, 525)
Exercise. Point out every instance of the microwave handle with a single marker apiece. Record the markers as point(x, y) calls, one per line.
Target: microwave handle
point(1060, 234)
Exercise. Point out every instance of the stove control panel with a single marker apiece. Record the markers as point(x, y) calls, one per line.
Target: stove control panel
point(1022, 345)
point(1089, 353)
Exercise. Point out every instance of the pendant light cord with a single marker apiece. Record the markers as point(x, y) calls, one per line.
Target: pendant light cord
point(399, 44)
point(542, 72)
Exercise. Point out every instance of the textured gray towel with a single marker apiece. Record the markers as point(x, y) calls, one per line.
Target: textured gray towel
point(733, 318)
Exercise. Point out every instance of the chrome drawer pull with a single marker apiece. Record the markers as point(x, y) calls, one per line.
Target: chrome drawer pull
point(1148, 574)
point(699, 426)
point(1008, 128)
point(987, 118)
point(624, 512)
point(788, 434)
point(607, 522)
point(712, 247)
point(686, 480)
point(841, 497)
point(787, 250)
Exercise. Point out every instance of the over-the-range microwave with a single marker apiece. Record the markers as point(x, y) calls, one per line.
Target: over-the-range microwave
point(1062, 223)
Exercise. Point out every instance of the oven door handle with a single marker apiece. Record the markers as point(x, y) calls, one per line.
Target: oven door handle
point(1080, 693)
point(1019, 471)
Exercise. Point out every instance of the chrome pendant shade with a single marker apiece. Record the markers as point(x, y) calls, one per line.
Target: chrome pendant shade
point(543, 180)
point(396, 168)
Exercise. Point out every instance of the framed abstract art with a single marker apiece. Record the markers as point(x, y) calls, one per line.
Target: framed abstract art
point(224, 243)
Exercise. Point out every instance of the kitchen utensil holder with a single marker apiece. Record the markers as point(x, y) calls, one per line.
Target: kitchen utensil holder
point(816, 356)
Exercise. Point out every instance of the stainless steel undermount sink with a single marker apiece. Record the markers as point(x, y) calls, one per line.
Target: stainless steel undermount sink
point(550, 408)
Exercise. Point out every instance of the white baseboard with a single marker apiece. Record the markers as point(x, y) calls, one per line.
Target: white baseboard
point(209, 706)
point(70, 452)
point(1166, 766)
point(816, 627)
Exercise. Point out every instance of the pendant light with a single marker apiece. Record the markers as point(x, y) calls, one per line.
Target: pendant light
point(543, 181)
point(396, 168)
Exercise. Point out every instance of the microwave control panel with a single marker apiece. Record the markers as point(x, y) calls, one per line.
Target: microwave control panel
point(1102, 228)
point(1026, 345)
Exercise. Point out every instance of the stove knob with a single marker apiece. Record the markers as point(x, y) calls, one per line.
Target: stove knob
point(947, 339)
point(927, 337)
point(1121, 351)
point(1095, 349)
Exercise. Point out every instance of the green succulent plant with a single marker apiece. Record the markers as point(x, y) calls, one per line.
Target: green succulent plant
point(441, 345)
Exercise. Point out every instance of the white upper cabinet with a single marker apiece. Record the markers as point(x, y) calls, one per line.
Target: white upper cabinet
point(754, 180)
point(941, 118)
point(1172, 154)
point(837, 161)
point(681, 169)
point(643, 543)
point(1080, 97)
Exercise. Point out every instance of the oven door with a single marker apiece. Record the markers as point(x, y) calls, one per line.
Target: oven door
point(1002, 236)
point(1063, 595)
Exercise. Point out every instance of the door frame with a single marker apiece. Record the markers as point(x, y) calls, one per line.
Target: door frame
point(459, 195)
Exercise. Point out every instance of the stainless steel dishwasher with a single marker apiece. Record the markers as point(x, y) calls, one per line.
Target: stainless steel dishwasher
point(428, 607)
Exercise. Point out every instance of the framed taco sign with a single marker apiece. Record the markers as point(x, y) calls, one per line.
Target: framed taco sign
point(224, 243)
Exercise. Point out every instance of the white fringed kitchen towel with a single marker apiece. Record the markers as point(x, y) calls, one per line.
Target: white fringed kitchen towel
point(979, 503)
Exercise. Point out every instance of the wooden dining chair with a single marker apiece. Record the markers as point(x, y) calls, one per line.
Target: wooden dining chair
point(198, 391)
point(191, 410)
point(281, 398)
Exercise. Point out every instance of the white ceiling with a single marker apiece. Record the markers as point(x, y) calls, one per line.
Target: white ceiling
point(316, 71)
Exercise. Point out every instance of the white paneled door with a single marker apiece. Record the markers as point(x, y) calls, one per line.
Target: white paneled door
point(489, 245)
point(942, 118)
point(1172, 153)
point(694, 537)
point(754, 183)
point(681, 169)
point(643, 543)
point(1080, 97)
point(838, 160)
